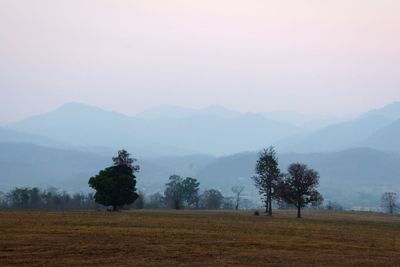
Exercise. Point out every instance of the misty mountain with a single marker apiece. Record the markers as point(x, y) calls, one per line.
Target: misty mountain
point(175, 112)
point(213, 130)
point(337, 136)
point(166, 112)
point(387, 138)
point(345, 135)
point(182, 165)
point(23, 164)
point(11, 136)
point(174, 131)
point(305, 121)
point(391, 111)
point(78, 124)
point(31, 165)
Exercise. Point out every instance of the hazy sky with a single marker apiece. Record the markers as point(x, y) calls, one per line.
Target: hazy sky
point(313, 56)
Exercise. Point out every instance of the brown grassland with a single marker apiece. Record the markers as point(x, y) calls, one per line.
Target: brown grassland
point(198, 238)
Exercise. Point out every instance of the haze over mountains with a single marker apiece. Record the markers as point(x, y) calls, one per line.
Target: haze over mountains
point(175, 131)
point(64, 147)
point(170, 130)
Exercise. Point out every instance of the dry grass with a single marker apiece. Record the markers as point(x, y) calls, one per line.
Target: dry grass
point(201, 238)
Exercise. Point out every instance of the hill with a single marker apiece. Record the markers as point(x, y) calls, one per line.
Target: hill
point(364, 130)
point(387, 138)
point(213, 130)
point(31, 165)
point(7, 135)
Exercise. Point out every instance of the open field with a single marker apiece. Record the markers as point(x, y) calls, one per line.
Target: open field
point(199, 238)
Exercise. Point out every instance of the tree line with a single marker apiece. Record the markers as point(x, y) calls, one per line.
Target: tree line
point(177, 195)
point(115, 187)
point(50, 199)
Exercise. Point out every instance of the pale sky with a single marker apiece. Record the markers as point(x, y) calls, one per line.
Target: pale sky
point(336, 57)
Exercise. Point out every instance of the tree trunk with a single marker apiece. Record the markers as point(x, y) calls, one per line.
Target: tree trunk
point(270, 206)
point(299, 212)
point(115, 208)
point(269, 202)
point(266, 205)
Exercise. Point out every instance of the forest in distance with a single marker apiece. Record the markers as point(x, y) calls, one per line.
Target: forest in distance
point(115, 186)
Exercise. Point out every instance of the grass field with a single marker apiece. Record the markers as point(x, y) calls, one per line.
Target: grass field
point(199, 238)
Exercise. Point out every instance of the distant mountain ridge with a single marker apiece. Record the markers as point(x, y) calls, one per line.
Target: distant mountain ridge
point(386, 138)
point(213, 130)
point(7, 135)
point(170, 130)
point(361, 131)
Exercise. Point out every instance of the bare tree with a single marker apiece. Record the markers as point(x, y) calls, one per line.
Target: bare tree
point(389, 201)
point(237, 190)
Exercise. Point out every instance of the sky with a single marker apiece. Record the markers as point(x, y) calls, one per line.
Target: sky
point(331, 57)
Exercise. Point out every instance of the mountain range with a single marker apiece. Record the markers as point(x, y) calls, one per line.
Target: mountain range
point(357, 158)
point(215, 130)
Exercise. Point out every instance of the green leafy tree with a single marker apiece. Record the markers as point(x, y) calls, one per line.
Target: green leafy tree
point(173, 197)
point(190, 192)
point(299, 187)
point(116, 185)
point(211, 199)
point(268, 177)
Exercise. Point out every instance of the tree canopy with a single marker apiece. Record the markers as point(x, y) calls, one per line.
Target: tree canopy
point(181, 192)
point(299, 187)
point(116, 185)
point(268, 176)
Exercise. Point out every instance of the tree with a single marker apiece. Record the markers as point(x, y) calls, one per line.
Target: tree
point(318, 201)
point(123, 158)
point(237, 190)
point(155, 201)
point(333, 206)
point(140, 201)
point(190, 192)
point(299, 187)
point(211, 199)
point(389, 201)
point(173, 192)
point(268, 177)
point(116, 185)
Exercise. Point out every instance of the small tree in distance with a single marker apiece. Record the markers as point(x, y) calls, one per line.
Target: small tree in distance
point(173, 197)
point(211, 199)
point(268, 177)
point(299, 187)
point(190, 192)
point(237, 190)
point(116, 185)
point(389, 201)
